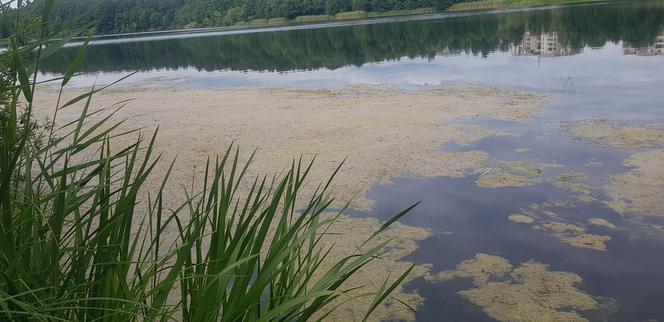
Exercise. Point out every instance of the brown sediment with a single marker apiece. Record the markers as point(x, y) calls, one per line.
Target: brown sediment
point(612, 134)
point(519, 218)
point(601, 223)
point(639, 191)
point(512, 174)
point(529, 292)
point(385, 132)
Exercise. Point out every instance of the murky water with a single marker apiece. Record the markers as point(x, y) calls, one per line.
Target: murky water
point(595, 61)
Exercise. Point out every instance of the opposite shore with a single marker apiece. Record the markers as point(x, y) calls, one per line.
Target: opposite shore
point(341, 19)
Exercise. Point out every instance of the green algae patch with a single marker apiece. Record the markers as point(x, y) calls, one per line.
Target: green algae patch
point(601, 223)
point(571, 177)
point(512, 174)
point(559, 204)
point(561, 228)
point(612, 134)
point(480, 269)
point(465, 135)
point(639, 191)
point(572, 181)
point(530, 292)
point(589, 241)
point(519, 218)
point(575, 235)
point(553, 224)
point(348, 235)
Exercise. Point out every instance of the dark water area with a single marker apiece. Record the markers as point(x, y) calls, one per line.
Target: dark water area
point(546, 142)
point(592, 61)
point(467, 219)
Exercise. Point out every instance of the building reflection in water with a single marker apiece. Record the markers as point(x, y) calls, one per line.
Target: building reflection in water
point(656, 49)
point(545, 45)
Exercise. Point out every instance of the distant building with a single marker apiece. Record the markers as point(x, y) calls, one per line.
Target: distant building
point(656, 49)
point(545, 45)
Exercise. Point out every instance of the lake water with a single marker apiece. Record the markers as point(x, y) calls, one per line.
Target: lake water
point(597, 61)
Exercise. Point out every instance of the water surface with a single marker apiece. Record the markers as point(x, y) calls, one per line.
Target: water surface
point(595, 61)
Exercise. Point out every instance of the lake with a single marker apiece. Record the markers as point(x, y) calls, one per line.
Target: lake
point(600, 64)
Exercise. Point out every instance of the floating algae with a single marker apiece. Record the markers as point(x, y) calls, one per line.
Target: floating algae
point(519, 218)
point(639, 191)
point(590, 241)
point(614, 135)
point(593, 163)
point(601, 223)
point(347, 235)
point(384, 132)
point(571, 234)
point(466, 135)
point(480, 269)
point(571, 181)
point(561, 228)
point(576, 236)
point(570, 177)
point(529, 292)
point(559, 204)
point(512, 174)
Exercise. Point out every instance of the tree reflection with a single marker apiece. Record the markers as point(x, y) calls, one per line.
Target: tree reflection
point(637, 24)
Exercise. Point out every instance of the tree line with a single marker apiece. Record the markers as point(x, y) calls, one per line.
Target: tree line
point(332, 48)
point(120, 16)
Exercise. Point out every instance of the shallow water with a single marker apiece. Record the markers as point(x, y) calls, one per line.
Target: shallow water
point(594, 61)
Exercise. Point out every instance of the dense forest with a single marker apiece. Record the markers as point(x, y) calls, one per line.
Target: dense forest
point(119, 16)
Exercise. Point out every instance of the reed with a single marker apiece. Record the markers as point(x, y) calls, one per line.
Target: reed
point(82, 236)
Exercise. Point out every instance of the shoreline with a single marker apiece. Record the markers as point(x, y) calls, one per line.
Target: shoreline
point(294, 24)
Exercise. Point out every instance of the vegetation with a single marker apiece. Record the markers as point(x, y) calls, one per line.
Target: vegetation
point(121, 16)
point(124, 16)
point(500, 4)
point(355, 45)
point(82, 236)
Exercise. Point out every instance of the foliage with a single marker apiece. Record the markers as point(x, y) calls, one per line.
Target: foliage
point(333, 48)
point(495, 4)
point(82, 236)
point(121, 16)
